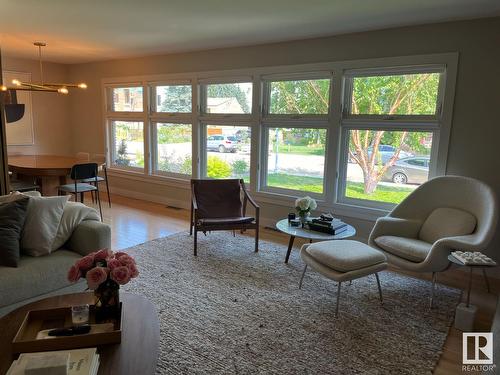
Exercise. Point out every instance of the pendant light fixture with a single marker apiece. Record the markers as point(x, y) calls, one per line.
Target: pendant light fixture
point(61, 88)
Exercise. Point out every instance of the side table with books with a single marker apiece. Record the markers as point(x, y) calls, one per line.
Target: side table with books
point(323, 234)
point(465, 312)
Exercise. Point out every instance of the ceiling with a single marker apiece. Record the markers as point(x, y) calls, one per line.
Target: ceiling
point(92, 30)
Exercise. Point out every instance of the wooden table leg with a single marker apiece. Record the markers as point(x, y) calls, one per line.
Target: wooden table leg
point(290, 245)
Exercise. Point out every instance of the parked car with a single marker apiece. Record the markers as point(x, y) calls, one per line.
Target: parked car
point(386, 152)
point(412, 170)
point(222, 143)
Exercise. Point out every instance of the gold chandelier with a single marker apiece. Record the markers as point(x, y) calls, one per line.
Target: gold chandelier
point(61, 88)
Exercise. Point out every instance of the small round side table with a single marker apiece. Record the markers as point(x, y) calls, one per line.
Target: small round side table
point(482, 267)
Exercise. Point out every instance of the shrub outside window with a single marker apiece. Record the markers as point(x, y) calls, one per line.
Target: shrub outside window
point(173, 148)
point(128, 144)
point(228, 151)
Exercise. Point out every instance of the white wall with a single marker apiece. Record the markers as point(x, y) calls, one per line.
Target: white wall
point(51, 111)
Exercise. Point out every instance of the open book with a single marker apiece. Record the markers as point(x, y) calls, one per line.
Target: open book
point(81, 361)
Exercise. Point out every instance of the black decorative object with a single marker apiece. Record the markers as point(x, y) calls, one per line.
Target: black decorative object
point(13, 110)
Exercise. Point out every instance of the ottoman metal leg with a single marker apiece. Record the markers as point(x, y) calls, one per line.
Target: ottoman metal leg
point(434, 277)
point(338, 300)
point(302, 278)
point(379, 288)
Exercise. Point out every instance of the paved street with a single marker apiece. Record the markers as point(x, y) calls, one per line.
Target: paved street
point(293, 164)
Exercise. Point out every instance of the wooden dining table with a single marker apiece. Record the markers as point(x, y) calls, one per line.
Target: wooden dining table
point(49, 171)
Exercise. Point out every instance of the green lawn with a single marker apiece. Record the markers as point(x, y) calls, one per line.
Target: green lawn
point(300, 150)
point(354, 189)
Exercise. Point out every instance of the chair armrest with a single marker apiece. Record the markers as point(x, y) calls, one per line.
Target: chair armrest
point(469, 242)
point(250, 199)
point(89, 236)
point(394, 226)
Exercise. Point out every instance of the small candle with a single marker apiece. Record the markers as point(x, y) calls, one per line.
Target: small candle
point(80, 314)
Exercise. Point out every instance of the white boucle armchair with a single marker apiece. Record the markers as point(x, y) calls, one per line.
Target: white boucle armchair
point(444, 214)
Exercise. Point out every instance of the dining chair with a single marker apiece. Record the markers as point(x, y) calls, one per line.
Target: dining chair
point(79, 174)
point(217, 205)
point(100, 159)
point(21, 185)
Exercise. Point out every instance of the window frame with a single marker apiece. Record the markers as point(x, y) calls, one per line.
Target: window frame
point(152, 89)
point(257, 121)
point(221, 80)
point(112, 148)
point(109, 98)
point(264, 187)
point(203, 144)
point(267, 80)
point(154, 150)
point(416, 123)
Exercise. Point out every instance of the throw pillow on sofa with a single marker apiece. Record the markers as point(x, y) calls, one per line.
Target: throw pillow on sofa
point(42, 221)
point(12, 218)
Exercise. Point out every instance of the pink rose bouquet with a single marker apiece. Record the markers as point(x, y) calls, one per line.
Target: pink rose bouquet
point(104, 268)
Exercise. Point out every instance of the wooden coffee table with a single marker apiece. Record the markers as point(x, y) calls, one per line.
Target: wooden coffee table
point(136, 354)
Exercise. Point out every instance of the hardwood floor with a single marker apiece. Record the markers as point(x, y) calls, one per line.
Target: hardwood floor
point(133, 222)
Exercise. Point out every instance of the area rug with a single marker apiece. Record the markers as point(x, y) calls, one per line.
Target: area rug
point(233, 311)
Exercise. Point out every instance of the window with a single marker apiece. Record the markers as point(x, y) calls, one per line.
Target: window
point(126, 99)
point(127, 144)
point(228, 98)
point(311, 97)
point(174, 98)
point(228, 151)
point(390, 174)
point(402, 94)
point(173, 148)
point(386, 159)
point(296, 158)
point(357, 136)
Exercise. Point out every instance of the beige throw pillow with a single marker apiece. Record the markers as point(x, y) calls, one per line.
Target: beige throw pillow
point(447, 222)
point(42, 221)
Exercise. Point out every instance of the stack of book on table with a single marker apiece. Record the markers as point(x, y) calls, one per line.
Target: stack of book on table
point(326, 223)
point(61, 362)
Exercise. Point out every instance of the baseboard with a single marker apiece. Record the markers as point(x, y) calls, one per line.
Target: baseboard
point(151, 198)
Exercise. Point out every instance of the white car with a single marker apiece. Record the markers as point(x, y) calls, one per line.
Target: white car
point(222, 143)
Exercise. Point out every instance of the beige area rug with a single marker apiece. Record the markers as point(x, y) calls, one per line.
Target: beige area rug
point(232, 311)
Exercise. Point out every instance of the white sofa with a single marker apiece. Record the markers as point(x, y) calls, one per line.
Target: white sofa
point(39, 277)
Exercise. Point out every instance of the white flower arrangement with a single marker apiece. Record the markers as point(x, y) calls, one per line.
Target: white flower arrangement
point(305, 205)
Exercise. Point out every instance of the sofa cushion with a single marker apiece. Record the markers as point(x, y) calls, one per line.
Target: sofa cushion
point(447, 222)
point(35, 276)
point(12, 217)
point(345, 255)
point(42, 222)
point(408, 248)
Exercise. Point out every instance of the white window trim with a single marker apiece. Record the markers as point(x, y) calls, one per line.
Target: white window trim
point(425, 123)
point(152, 87)
point(304, 76)
point(450, 60)
point(154, 150)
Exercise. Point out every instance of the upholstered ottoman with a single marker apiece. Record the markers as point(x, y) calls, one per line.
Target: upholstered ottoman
point(343, 260)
